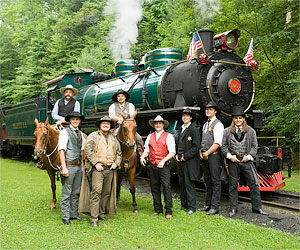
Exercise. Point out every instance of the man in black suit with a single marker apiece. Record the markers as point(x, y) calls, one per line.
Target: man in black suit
point(187, 156)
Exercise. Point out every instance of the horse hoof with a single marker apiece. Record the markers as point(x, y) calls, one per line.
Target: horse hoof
point(136, 211)
point(52, 207)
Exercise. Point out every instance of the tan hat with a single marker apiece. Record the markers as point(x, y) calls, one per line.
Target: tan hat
point(158, 119)
point(69, 86)
point(105, 119)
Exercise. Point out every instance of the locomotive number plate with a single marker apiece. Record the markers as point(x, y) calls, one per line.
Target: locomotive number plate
point(234, 86)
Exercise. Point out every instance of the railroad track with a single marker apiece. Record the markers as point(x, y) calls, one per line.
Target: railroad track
point(279, 199)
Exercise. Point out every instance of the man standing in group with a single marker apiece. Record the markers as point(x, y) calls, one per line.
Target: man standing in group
point(212, 134)
point(70, 148)
point(121, 104)
point(104, 156)
point(239, 146)
point(161, 147)
point(187, 155)
point(65, 105)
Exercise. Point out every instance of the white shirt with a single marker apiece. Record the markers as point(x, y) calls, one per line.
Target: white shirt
point(112, 111)
point(228, 156)
point(185, 127)
point(57, 117)
point(218, 131)
point(170, 142)
point(63, 139)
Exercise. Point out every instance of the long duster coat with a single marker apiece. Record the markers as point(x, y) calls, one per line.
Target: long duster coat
point(90, 149)
point(191, 145)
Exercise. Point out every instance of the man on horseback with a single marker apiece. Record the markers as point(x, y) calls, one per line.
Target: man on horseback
point(121, 105)
point(70, 146)
point(104, 155)
point(65, 105)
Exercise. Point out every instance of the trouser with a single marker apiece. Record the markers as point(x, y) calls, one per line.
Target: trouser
point(101, 188)
point(234, 174)
point(70, 193)
point(187, 187)
point(161, 177)
point(212, 171)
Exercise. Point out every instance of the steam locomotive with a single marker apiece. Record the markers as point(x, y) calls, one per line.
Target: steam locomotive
point(159, 83)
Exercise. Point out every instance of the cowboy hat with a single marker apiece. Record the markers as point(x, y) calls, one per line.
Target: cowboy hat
point(105, 119)
point(74, 114)
point(187, 111)
point(238, 111)
point(158, 119)
point(212, 105)
point(69, 86)
point(120, 91)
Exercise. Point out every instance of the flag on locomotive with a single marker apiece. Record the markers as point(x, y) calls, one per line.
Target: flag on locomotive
point(250, 55)
point(195, 44)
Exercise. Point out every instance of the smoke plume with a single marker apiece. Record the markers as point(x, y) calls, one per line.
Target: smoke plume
point(125, 31)
point(208, 8)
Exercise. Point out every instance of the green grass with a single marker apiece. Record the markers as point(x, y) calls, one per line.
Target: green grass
point(292, 184)
point(28, 223)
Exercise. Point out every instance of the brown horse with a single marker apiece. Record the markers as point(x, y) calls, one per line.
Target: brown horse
point(46, 148)
point(126, 137)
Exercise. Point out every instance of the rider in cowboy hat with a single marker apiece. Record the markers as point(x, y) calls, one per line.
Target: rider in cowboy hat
point(65, 105)
point(160, 145)
point(121, 104)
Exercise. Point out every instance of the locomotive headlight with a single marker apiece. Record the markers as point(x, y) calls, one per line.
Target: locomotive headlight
point(227, 40)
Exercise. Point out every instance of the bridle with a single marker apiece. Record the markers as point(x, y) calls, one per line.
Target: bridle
point(45, 148)
point(125, 141)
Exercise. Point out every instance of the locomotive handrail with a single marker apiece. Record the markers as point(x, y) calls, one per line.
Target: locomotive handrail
point(233, 63)
point(272, 137)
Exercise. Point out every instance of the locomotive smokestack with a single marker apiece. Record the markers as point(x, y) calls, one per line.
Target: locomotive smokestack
point(207, 40)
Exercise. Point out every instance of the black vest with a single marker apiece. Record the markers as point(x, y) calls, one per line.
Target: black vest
point(180, 143)
point(208, 136)
point(64, 110)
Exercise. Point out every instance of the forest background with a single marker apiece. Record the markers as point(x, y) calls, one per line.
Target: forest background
point(42, 39)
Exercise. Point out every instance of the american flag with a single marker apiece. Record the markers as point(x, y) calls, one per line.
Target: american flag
point(195, 44)
point(250, 55)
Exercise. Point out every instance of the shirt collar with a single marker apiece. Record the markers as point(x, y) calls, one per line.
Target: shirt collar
point(214, 118)
point(186, 125)
point(159, 133)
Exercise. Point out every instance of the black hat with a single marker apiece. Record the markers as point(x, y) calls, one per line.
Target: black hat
point(74, 114)
point(120, 91)
point(212, 105)
point(190, 112)
point(238, 111)
point(105, 119)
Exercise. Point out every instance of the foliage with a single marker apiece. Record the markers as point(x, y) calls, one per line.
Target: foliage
point(25, 200)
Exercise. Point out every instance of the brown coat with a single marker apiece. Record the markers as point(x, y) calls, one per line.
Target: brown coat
point(91, 159)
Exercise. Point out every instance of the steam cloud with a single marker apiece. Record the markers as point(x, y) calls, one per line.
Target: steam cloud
point(208, 8)
point(125, 31)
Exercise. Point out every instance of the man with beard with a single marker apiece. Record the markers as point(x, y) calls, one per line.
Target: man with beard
point(65, 105)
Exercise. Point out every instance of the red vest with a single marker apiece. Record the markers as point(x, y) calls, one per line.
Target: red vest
point(158, 148)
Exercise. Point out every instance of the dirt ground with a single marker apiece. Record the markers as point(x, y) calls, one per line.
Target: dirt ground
point(278, 219)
